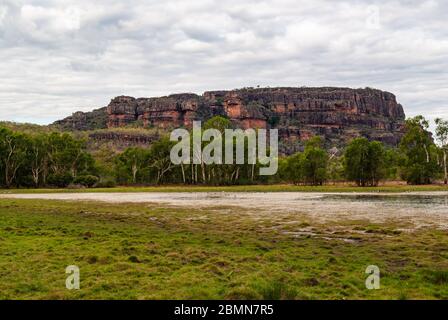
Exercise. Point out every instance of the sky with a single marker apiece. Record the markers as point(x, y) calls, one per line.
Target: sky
point(58, 57)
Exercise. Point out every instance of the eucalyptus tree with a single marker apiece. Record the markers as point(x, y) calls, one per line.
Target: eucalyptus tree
point(131, 163)
point(442, 137)
point(13, 150)
point(38, 158)
point(159, 158)
point(417, 146)
point(364, 162)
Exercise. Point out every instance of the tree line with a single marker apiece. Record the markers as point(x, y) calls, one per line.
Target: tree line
point(60, 160)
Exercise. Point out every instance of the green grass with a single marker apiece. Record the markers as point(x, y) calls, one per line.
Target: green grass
point(136, 251)
point(246, 188)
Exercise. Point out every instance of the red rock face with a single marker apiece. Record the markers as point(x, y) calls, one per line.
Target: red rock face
point(253, 124)
point(338, 114)
point(233, 106)
point(121, 111)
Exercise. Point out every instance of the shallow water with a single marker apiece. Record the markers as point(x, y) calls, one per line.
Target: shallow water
point(417, 209)
point(393, 199)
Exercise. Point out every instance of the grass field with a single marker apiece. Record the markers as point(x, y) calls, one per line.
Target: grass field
point(141, 251)
point(245, 188)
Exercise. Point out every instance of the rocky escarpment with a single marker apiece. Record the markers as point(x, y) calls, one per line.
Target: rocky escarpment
point(165, 112)
point(96, 119)
point(337, 114)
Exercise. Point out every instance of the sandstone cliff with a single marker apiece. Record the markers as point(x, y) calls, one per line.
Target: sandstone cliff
point(338, 114)
point(96, 119)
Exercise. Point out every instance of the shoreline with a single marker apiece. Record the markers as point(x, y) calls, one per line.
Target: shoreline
point(391, 188)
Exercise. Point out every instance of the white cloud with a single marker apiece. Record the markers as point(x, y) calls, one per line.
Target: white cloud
point(3, 13)
point(60, 56)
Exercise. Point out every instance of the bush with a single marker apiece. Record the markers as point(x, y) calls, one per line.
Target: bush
point(87, 180)
point(61, 180)
point(106, 184)
point(420, 173)
point(365, 162)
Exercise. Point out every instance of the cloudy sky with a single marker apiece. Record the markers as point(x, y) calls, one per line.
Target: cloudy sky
point(60, 56)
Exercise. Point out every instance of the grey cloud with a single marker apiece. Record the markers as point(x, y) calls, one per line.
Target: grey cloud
point(55, 62)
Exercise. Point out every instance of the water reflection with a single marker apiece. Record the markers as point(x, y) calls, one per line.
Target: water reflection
point(419, 200)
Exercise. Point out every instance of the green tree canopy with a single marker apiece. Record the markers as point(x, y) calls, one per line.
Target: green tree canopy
point(419, 164)
point(315, 162)
point(131, 163)
point(364, 162)
point(309, 166)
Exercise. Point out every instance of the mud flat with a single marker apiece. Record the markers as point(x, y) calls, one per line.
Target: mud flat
point(418, 209)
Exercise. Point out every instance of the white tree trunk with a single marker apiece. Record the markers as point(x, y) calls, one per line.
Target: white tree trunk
point(183, 172)
point(134, 173)
point(427, 153)
point(444, 166)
